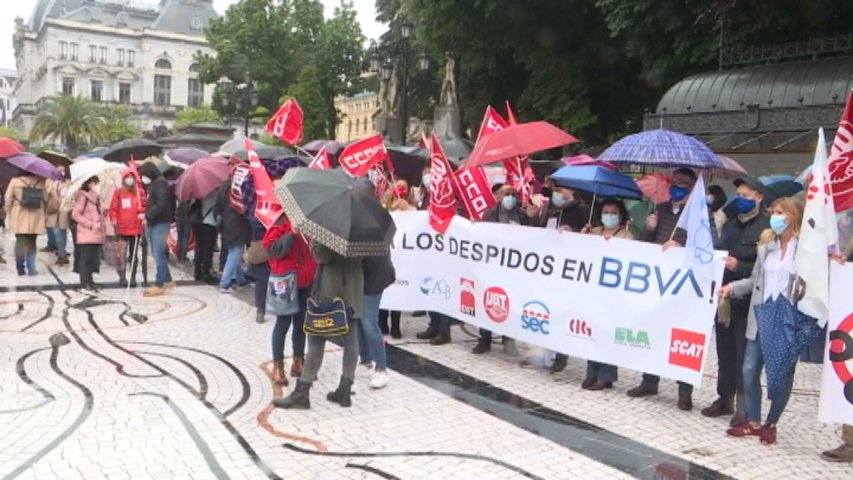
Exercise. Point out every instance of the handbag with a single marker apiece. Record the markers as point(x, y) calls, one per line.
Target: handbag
point(324, 317)
point(282, 294)
point(256, 253)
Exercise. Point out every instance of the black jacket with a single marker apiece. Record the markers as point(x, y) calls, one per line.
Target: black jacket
point(161, 202)
point(495, 215)
point(235, 228)
point(574, 215)
point(378, 274)
point(667, 220)
point(741, 240)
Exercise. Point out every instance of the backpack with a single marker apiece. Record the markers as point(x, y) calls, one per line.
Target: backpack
point(32, 198)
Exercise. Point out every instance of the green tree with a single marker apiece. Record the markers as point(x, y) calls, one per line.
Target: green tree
point(11, 132)
point(117, 124)
point(308, 91)
point(203, 114)
point(73, 121)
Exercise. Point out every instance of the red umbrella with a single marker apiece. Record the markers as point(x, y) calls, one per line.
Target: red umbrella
point(518, 140)
point(579, 160)
point(655, 186)
point(202, 178)
point(9, 147)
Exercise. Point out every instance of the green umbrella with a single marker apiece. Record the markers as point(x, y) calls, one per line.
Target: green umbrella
point(337, 211)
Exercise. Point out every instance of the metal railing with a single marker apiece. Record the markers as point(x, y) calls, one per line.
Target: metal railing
point(811, 48)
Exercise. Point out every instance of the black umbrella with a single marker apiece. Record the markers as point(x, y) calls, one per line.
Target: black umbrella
point(336, 211)
point(409, 162)
point(137, 148)
point(265, 152)
point(55, 158)
point(455, 147)
point(7, 173)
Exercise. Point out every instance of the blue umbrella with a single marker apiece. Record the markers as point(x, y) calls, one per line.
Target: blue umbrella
point(598, 180)
point(662, 148)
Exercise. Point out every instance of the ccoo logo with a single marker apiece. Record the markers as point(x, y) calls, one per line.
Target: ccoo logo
point(496, 303)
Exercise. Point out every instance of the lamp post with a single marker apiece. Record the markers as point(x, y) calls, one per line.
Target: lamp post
point(399, 53)
point(246, 98)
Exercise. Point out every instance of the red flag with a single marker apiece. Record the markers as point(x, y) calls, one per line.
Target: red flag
point(321, 161)
point(472, 187)
point(518, 171)
point(841, 160)
point(239, 173)
point(267, 208)
point(286, 124)
point(442, 203)
point(510, 115)
point(358, 157)
point(492, 122)
point(379, 179)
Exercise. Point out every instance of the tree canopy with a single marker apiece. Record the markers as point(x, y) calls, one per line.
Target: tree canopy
point(72, 121)
point(203, 114)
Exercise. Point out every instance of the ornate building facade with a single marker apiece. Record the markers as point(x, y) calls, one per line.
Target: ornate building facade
point(356, 116)
point(138, 53)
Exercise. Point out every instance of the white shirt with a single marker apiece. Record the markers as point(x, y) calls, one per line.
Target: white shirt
point(778, 271)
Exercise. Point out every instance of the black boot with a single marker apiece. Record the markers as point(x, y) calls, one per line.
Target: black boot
point(395, 326)
point(428, 334)
point(298, 398)
point(383, 321)
point(342, 394)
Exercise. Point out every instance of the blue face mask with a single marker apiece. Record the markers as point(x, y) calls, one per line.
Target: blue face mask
point(778, 223)
point(677, 194)
point(745, 205)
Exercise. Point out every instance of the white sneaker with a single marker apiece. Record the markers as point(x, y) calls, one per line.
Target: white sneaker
point(225, 290)
point(379, 379)
point(364, 369)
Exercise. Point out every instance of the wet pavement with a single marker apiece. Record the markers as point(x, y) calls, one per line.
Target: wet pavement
point(115, 385)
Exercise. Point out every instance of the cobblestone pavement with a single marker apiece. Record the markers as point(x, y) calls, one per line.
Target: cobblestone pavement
point(114, 385)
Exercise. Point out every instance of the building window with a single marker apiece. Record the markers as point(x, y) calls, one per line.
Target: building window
point(120, 55)
point(162, 90)
point(196, 93)
point(123, 92)
point(63, 50)
point(67, 86)
point(93, 53)
point(163, 64)
point(75, 50)
point(131, 58)
point(104, 55)
point(97, 90)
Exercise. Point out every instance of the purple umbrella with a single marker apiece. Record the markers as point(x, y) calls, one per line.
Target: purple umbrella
point(35, 165)
point(186, 155)
point(332, 147)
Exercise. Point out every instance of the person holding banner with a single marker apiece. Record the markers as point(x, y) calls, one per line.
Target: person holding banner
point(398, 198)
point(661, 228)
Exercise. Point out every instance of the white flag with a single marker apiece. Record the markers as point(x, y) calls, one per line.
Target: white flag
point(817, 233)
point(699, 251)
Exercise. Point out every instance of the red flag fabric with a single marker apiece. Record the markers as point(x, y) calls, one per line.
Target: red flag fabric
point(357, 158)
point(239, 173)
point(509, 115)
point(286, 124)
point(321, 161)
point(267, 208)
point(442, 202)
point(840, 163)
point(492, 122)
point(472, 187)
point(379, 179)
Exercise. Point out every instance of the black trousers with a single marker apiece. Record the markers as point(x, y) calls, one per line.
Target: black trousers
point(205, 241)
point(88, 260)
point(383, 320)
point(142, 247)
point(731, 345)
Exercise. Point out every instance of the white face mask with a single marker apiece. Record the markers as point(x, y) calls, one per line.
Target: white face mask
point(508, 202)
point(129, 181)
point(558, 199)
point(96, 188)
point(146, 180)
point(426, 179)
point(610, 220)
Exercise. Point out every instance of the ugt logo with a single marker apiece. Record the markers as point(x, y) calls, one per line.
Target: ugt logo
point(535, 316)
point(435, 286)
point(686, 349)
point(632, 338)
point(840, 352)
point(496, 302)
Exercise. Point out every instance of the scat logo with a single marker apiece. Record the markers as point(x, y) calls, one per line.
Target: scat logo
point(496, 302)
point(536, 317)
point(686, 349)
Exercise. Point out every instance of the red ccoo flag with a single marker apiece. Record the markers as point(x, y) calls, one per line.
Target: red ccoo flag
point(472, 188)
point(442, 202)
point(518, 171)
point(357, 158)
point(267, 208)
point(321, 161)
point(840, 163)
point(286, 124)
point(492, 122)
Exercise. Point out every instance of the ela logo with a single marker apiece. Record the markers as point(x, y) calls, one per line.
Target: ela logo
point(496, 303)
point(467, 301)
point(535, 317)
point(632, 338)
point(686, 349)
point(435, 286)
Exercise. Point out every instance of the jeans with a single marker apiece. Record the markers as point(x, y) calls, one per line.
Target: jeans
point(25, 254)
point(370, 341)
point(316, 350)
point(60, 240)
point(261, 273)
point(232, 267)
point(753, 362)
point(282, 325)
point(603, 372)
point(160, 252)
point(184, 231)
point(440, 323)
point(51, 238)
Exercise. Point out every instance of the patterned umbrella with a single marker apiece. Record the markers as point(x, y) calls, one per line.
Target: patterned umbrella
point(662, 148)
point(732, 170)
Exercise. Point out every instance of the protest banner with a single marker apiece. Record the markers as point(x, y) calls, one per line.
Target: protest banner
point(836, 393)
point(617, 301)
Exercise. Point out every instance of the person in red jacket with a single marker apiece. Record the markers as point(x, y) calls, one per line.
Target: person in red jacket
point(288, 251)
point(127, 213)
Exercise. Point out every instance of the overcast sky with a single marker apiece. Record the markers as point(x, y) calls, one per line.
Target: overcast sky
point(23, 9)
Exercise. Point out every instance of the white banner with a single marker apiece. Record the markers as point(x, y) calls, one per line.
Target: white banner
point(836, 393)
point(622, 302)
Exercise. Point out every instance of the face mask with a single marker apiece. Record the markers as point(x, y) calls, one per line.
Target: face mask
point(95, 188)
point(709, 199)
point(677, 194)
point(508, 202)
point(426, 180)
point(129, 181)
point(610, 220)
point(745, 205)
point(558, 199)
point(146, 180)
point(547, 192)
point(778, 223)
point(402, 191)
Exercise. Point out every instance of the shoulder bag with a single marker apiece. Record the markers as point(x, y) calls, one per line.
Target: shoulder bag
point(325, 317)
